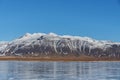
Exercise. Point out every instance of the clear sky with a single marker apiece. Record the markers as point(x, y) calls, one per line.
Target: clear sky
point(99, 19)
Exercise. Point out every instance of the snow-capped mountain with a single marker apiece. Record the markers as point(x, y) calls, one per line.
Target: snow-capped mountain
point(41, 44)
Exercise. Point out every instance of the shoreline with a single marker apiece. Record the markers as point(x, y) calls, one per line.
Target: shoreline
point(16, 58)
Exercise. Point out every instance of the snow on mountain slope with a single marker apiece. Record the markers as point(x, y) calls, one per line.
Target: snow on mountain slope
point(3, 45)
point(28, 38)
point(53, 43)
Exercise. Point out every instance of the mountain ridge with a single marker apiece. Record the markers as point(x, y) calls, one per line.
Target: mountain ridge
point(41, 44)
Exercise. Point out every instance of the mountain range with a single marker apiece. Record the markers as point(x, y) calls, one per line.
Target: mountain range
point(51, 44)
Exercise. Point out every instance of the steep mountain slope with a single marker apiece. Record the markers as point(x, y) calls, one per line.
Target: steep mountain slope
point(3, 45)
point(41, 44)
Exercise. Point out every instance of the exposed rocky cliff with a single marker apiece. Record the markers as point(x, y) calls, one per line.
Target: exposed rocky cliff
point(40, 44)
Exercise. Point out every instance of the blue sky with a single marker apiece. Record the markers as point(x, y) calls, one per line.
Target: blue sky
point(99, 19)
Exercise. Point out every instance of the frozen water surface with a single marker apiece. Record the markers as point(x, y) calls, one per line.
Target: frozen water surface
point(28, 70)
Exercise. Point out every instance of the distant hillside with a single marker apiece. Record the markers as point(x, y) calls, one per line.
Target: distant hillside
point(41, 44)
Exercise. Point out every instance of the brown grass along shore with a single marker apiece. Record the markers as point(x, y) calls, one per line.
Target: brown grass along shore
point(82, 58)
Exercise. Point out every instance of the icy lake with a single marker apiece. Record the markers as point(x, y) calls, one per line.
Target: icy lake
point(31, 70)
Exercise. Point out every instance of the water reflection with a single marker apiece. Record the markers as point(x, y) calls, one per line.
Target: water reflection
point(16, 70)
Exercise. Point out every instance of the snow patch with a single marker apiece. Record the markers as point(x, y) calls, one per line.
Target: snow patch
point(54, 40)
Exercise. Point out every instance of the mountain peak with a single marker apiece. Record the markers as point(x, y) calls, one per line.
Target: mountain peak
point(27, 34)
point(58, 44)
point(52, 34)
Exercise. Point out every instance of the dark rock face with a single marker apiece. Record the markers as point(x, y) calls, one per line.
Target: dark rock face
point(60, 50)
point(49, 45)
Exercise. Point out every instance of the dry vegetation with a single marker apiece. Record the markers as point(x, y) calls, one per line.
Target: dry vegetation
point(54, 58)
